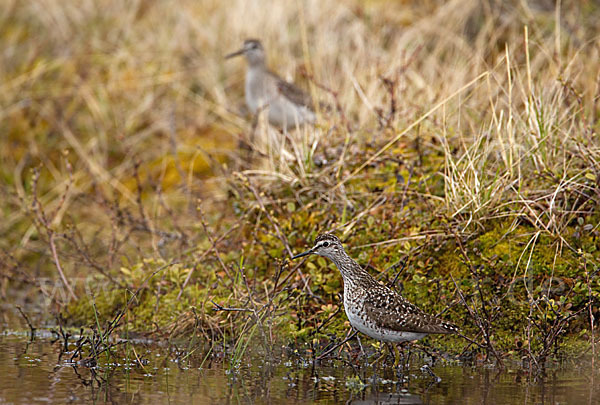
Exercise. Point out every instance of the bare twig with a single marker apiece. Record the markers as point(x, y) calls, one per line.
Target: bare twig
point(331, 350)
point(480, 324)
point(212, 241)
point(24, 315)
point(46, 224)
point(591, 313)
point(259, 200)
point(57, 263)
point(222, 308)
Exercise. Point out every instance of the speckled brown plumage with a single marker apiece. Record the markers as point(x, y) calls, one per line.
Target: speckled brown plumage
point(372, 307)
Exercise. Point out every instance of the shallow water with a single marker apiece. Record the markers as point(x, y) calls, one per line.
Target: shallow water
point(35, 372)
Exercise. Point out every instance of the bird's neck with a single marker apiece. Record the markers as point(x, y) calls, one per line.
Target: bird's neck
point(351, 271)
point(257, 64)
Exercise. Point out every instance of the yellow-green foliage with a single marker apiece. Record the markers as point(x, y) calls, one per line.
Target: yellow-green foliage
point(460, 145)
point(106, 305)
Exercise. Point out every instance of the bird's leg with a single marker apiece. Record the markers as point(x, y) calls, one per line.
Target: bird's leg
point(397, 366)
point(253, 128)
point(362, 351)
point(407, 357)
point(396, 356)
point(256, 119)
point(378, 360)
point(393, 352)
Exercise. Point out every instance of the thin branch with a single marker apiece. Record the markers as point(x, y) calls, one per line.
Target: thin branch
point(24, 315)
point(325, 354)
point(57, 263)
point(222, 308)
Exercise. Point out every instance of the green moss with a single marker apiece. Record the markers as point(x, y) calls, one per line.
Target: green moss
point(105, 304)
point(514, 275)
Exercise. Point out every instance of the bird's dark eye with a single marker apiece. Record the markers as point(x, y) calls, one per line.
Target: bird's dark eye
point(325, 244)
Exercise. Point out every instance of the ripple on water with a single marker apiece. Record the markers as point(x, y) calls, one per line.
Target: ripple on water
point(34, 372)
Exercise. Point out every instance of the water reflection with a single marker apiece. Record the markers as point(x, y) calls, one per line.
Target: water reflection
point(35, 372)
point(380, 398)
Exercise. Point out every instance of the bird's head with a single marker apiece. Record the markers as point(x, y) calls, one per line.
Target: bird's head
point(252, 50)
point(327, 245)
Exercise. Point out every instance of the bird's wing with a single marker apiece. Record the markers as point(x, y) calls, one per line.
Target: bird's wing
point(293, 93)
point(390, 310)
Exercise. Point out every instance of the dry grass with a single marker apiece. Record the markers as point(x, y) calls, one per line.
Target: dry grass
point(135, 119)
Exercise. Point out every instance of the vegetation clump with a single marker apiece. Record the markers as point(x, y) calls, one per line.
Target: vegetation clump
point(458, 161)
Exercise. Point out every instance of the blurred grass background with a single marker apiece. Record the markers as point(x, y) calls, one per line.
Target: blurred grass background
point(124, 136)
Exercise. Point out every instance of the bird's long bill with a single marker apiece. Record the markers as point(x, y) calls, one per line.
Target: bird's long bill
point(233, 54)
point(303, 254)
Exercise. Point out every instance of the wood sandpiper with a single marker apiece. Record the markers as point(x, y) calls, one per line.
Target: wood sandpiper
point(287, 105)
point(371, 307)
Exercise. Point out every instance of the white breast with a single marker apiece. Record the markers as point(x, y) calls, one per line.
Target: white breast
point(370, 329)
point(255, 90)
